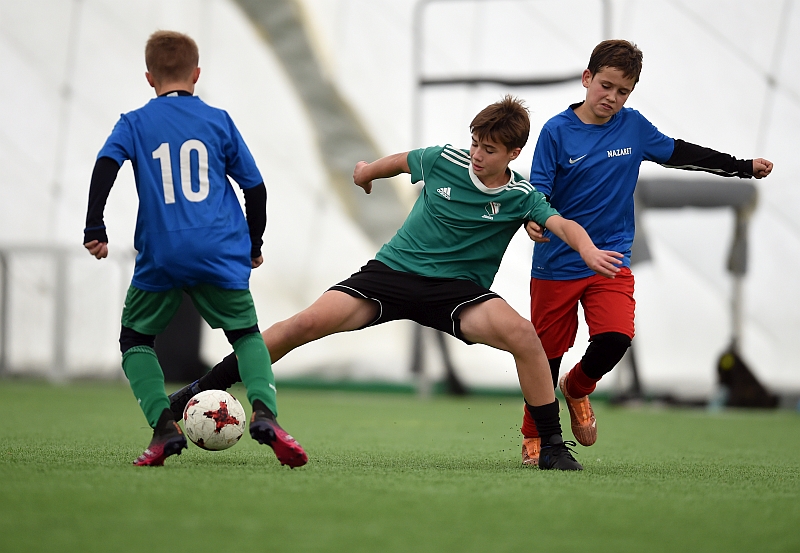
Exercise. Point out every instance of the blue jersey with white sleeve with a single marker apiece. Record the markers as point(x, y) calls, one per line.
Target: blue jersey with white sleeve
point(190, 228)
point(589, 173)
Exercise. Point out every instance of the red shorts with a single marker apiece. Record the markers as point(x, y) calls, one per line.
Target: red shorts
point(608, 306)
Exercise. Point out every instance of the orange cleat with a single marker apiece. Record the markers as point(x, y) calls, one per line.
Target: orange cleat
point(530, 450)
point(584, 425)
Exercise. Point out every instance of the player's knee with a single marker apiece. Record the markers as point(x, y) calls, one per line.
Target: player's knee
point(604, 352)
point(129, 338)
point(305, 324)
point(616, 342)
point(522, 336)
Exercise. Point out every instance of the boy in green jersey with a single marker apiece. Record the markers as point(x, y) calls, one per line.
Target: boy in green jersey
point(438, 268)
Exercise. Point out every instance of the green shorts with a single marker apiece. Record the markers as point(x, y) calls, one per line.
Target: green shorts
point(151, 312)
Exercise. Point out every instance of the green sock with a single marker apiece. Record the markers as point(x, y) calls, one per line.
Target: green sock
point(255, 368)
point(147, 381)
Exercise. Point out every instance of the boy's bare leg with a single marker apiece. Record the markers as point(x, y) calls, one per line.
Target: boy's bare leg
point(333, 312)
point(497, 324)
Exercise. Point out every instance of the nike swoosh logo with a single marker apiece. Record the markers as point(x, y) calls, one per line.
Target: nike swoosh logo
point(571, 161)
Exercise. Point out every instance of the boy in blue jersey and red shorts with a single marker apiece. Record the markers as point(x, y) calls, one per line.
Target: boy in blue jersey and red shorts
point(587, 162)
point(191, 236)
point(438, 268)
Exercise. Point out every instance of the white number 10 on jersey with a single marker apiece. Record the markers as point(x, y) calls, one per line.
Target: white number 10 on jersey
point(162, 154)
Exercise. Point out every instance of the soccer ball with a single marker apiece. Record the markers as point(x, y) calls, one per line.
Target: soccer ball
point(214, 420)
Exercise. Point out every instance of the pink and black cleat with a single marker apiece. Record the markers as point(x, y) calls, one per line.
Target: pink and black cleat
point(266, 430)
point(168, 439)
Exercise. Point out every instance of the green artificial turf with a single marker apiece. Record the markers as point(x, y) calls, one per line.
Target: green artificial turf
point(391, 472)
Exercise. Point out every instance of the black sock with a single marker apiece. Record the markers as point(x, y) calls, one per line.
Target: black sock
point(222, 376)
point(258, 405)
point(546, 419)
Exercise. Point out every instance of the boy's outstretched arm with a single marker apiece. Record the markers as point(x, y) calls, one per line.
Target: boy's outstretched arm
point(383, 168)
point(692, 157)
point(602, 262)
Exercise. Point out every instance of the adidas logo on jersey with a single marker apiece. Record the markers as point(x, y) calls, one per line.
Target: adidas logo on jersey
point(445, 192)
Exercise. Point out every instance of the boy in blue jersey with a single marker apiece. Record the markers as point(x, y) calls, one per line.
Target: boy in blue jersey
point(587, 163)
point(438, 268)
point(192, 236)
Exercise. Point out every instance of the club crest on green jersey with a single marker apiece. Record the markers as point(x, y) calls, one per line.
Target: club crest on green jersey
point(492, 209)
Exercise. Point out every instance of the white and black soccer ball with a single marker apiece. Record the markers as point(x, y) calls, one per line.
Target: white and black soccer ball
point(214, 420)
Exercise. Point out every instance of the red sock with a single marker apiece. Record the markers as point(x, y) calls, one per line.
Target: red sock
point(578, 384)
point(528, 426)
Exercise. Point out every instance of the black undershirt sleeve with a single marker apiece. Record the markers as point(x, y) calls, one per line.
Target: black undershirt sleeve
point(103, 177)
point(692, 157)
point(255, 210)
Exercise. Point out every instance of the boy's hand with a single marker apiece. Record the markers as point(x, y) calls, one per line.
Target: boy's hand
point(97, 248)
point(256, 262)
point(603, 262)
point(359, 178)
point(535, 232)
point(761, 167)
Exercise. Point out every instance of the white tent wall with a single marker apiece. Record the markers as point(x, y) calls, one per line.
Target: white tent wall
point(74, 79)
point(707, 75)
point(717, 73)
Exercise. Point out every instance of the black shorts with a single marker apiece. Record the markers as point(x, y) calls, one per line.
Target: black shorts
point(432, 302)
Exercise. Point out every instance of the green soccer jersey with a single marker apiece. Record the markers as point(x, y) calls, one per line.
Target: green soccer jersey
point(459, 228)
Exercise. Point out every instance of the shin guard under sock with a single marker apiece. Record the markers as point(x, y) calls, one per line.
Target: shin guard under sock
point(147, 381)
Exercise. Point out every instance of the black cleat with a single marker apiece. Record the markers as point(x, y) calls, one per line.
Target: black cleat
point(266, 430)
point(179, 398)
point(557, 454)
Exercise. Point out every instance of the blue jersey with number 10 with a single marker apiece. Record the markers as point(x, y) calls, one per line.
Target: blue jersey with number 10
point(190, 228)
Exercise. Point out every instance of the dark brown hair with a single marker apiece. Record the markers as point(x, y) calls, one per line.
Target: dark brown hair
point(617, 54)
point(171, 56)
point(506, 121)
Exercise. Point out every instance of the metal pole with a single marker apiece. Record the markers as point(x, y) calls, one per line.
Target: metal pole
point(60, 317)
point(416, 68)
point(736, 314)
point(606, 19)
point(4, 313)
point(417, 368)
